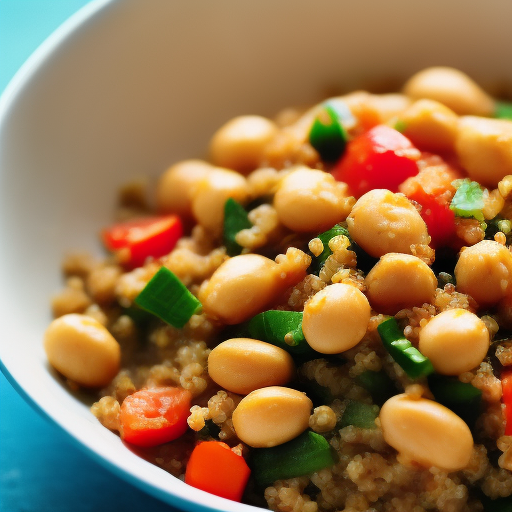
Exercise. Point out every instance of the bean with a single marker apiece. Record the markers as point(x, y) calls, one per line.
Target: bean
point(242, 365)
point(455, 341)
point(271, 416)
point(211, 193)
point(336, 318)
point(309, 200)
point(484, 271)
point(399, 281)
point(382, 222)
point(241, 287)
point(430, 125)
point(452, 88)
point(426, 432)
point(240, 143)
point(484, 147)
point(176, 186)
point(82, 350)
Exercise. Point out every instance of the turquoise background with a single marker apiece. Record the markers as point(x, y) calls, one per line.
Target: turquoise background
point(41, 468)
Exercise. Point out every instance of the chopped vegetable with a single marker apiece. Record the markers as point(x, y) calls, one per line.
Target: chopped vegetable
point(150, 417)
point(359, 415)
point(379, 158)
point(141, 238)
point(412, 361)
point(168, 298)
point(319, 261)
point(506, 398)
point(303, 455)
point(281, 328)
point(378, 384)
point(438, 217)
point(327, 134)
point(213, 467)
point(235, 219)
point(468, 201)
point(461, 397)
point(503, 110)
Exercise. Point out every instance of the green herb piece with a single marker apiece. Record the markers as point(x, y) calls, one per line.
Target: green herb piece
point(503, 110)
point(378, 384)
point(280, 328)
point(400, 126)
point(301, 456)
point(412, 361)
point(235, 219)
point(460, 397)
point(166, 297)
point(327, 135)
point(468, 200)
point(359, 414)
point(319, 261)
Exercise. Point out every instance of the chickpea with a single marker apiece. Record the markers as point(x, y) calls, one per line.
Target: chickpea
point(240, 143)
point(336, 318)
point(484, 147)
point(452, 88)
point(371, 109)
point(311, 200)
point(430, 125)
point(399, 281)
point(484, 271)
point(271, 416)
point(426, 432)
point(82, 350)
point(382, 222)
point(241, 287)
point(242, 365)
point(455, 341)
point(211, 194)
point(177, 185)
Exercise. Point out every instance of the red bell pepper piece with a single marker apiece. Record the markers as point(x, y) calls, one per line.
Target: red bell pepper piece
point(149, 236)
point(380, 158)
point(432, 188)
point(214, 468)
point(438, 217)
point(150, 417)
point(506, 398)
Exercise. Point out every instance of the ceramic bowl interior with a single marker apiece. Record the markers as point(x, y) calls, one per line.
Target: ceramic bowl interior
point(126, 88)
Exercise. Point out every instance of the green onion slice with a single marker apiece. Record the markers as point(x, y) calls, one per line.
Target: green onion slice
point(319, 261)
point(166, 297)
point(235, 219)
point(280, 328)
point(378, 384)
point(503, 110)
point(468, 200)
point(360, 415)
point(412, 361)
point(303, 455)
point(327, 134)
point(461, 397)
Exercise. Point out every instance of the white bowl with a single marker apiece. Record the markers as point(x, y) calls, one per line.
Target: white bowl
point(125, 88)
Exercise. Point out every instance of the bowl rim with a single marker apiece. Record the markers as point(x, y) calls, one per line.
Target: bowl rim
point(179, 494)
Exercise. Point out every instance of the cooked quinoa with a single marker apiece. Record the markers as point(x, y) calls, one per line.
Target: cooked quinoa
point(348, 242)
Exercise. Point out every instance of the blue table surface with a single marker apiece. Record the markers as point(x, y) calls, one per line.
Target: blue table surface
point(41, 469)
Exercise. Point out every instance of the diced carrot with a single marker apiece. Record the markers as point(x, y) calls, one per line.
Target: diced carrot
point(150, 417)
point(213, 467)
